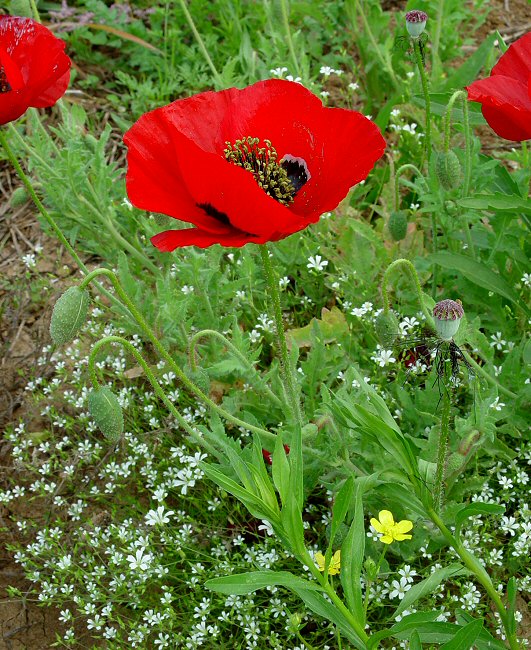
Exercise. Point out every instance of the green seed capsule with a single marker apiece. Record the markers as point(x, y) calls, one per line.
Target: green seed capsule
point(69, 314)
point(448, 170)
point(19, 196)
point(397, 225)
point(106, 412)
point(386, 327)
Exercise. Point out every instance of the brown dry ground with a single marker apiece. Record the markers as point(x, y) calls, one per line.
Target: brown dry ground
point(24, 318)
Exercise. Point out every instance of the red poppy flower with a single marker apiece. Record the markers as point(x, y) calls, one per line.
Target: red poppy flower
point(506, 95)
point(34, 70)
point(251, 165)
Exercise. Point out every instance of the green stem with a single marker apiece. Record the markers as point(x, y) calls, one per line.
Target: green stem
point(399, 171)
point(201, 43)
point(482, 576)
point(244, 360)
point(442, 452)
point(35, 11)
point(285, 365)
point(169, 359)
point(159, 391)
point(424, 81)
point(489, 378)
point(402, 262)
point(437, 38)
point(287, 29)
point(369, 583)
point(368, 31)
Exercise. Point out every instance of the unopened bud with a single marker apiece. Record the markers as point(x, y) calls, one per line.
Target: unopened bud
point(386, 328)
point(447, 315)
point(69, 314)
point(106, 412)
point(455, 463)
point(19, 196)
point(448, 170)
point(397, 225)
point(371, 569)
point(416, 22)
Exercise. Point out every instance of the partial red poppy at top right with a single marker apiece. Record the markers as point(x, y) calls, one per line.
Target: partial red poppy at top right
point(505, 96)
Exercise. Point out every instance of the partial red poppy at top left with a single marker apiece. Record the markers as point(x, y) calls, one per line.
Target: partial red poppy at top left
point(246, 166)
point(505, 96)
point(34, 69)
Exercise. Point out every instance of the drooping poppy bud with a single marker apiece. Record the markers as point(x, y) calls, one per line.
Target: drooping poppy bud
point(386, 328)
point(447, 315)
point(448, 170)
point(69, 314)
point(107, 413)
point(397, 225)
point(416, 22)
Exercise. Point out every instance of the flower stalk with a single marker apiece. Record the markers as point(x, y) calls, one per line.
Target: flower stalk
point(424, 82)
point(442, 451)
point(390, 272)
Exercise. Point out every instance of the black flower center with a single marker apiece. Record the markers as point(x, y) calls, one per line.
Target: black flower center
point(5, 86)
point(279, 179)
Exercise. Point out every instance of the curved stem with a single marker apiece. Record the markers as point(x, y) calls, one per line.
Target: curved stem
point(287, 29)
point(414, 276)
point(168, 358)
point(285, 365)
point(478, 570)
point(159, 391)
point(201, 43)
point(250, 366)
point(489, 378)
point(399, 171)
point(424, 81)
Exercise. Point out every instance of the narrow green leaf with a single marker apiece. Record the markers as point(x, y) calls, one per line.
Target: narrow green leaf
point(511, 598)
point(469, 70)
point(439, 102)
point(465, 637)
point(280, 469)
point(341, 506)
point(415, 642)
point(427, 586)
point(246, 583)
point(497, 201)
point(352, 555)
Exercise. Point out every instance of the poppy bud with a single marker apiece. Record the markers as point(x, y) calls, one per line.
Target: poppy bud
point(107, 413)
point(386, 328)
point(19, 197)
point(416, 22)
point(69, 314)
point(451, 207)
point(397, 225)
point(447, 315)
point(448, 170)
point(455, 463)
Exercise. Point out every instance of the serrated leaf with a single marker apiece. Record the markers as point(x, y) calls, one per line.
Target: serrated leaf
point(332, 325)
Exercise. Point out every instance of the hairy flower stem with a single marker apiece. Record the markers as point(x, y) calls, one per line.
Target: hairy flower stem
point(164, 354)
point(35, 11)
point(159, 391)
point(389, 273)
point(442, 451)
point(242, 358)
point(285, 364)
point(398, 173)
point(200, 43)
point(289, 39)
point(462, 95)
point(482, 576)
point(424, 82)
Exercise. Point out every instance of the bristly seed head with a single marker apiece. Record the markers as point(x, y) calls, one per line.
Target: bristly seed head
point(279, 179)
point(5, 86)
point(416, 22)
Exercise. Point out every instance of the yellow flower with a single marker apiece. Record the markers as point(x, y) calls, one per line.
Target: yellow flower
point(390, 530)
point(335, 562)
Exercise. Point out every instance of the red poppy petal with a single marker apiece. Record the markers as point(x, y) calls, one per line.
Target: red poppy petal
point(153, 180)
point(53, 92)
point(171, 239)
point(516, 62)
point(12, 105)
point(506, 106)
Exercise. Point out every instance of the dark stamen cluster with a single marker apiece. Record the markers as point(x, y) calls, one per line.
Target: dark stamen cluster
point(262, 162)
point(4, 83)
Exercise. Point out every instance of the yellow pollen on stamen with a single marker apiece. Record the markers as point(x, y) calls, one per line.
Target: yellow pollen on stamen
point(262, 162)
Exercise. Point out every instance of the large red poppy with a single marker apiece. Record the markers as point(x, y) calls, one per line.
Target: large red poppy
point(506, 95)
point(34, 70)
point(195, 160)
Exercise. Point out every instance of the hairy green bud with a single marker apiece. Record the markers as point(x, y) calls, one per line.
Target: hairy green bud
point(19, 196)
point(448, 170)
point(106, 412)
point(371, 569)
point(386, 328)
point(69, 314)
point(455, 463)
point(397, 225)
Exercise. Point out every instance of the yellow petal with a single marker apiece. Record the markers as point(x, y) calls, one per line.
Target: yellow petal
point(403, 526)
point(377, 525)
point(386, 539)
point(320, 559)
point(386, 518)
point(400, 537)
point(336, 560)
